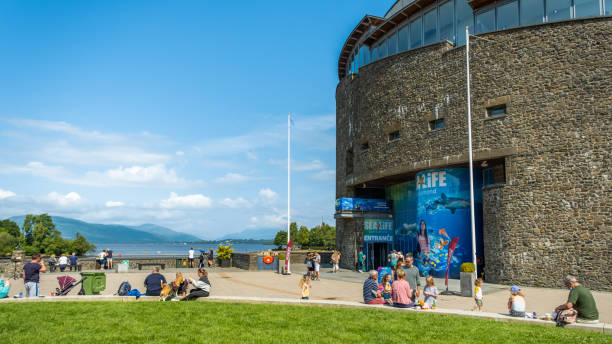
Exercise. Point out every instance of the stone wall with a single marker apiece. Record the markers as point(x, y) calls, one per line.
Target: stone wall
point(552, 216)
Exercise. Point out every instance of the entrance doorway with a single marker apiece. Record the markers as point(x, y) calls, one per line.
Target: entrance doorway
point(376, 254)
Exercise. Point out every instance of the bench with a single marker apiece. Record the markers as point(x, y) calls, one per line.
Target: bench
point(161, 265)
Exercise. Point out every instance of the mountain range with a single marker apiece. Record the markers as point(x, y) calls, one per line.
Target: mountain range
point(99, 233)
point(255, 234)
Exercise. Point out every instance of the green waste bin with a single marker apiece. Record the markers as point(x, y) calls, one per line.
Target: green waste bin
point(93, 282)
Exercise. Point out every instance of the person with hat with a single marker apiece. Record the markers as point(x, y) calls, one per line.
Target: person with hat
point(581, 300)
point(516, 303)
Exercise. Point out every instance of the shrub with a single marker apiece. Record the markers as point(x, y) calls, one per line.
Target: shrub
point(224, 252)
point(467, 267)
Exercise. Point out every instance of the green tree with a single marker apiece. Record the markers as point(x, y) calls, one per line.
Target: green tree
point(281, 238)
point(302, 236)
point(81, 246)
point(329, 235)
point(316, 237)
point(294, 231)
point(7, 244)
point(10, 227)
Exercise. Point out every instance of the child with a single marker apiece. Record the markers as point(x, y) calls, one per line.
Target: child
point(516, 303)
point(180, 285)
point(430, 292)
point(387, 288)
point(478, 294)
point(305, 285)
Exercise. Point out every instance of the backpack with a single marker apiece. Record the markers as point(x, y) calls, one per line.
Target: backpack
point(124, 288)
point(567, 316)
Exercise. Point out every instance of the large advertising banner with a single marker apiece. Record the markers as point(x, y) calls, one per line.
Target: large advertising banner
point(377, 230)
point(443, 213)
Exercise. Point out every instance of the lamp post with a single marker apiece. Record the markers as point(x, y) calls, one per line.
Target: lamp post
point(470, 158)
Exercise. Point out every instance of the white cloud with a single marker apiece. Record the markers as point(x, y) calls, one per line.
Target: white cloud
point(325, 175)
point(267, 193)
point(140, 174)
point(187, 201)
point(236, 203)
point(180, 153)
point(6, 194)
point(67, 199)
point(251, 155)
point(297, 165)
point(65, 128)
point(232, 178)
point(112, 204)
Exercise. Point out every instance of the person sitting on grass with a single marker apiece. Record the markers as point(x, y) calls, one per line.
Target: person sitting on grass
point(386, 284)
point(201, 287)
point(581, 300)
point(401, 294)
point(154, 282)
point(305, 286)
point(371, 294)
point(516, 303)
point(5, 287)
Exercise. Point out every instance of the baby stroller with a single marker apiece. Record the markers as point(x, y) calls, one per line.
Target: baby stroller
point(66, 284)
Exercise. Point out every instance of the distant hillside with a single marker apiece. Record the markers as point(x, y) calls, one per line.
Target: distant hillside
point(98, 233)
point(255, 234)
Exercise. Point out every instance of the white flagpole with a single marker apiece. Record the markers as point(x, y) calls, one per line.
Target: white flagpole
point(469, 120)
point(288, 187)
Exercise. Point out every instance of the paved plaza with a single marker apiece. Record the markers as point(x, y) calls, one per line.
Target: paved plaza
point(345, 286)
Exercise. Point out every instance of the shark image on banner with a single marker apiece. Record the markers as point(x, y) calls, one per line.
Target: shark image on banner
point(450, 203)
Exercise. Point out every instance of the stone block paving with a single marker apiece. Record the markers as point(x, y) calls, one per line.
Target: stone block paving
point(345, 286)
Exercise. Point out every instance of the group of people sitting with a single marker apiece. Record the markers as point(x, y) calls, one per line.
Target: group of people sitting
point(63, 262)
point(156, 285)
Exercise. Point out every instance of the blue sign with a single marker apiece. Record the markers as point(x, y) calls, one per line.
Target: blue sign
point(377, 230)
point(404, 200)
point(382, 271)
point(363, 204)
point(443, 213)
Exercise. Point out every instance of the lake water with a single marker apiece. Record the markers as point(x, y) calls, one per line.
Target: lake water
point(171, 249)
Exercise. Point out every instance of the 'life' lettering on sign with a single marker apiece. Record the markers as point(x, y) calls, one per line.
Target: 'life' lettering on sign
point(431, 180)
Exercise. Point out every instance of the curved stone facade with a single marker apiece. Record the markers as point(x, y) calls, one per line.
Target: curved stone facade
point(551, 216)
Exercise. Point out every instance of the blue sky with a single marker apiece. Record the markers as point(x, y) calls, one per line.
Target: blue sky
point(171, 112)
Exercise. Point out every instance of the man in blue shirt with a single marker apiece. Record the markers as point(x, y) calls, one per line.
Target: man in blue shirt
point(371, 293)
point(31, 275)
point(153, 282)
point(74, 261)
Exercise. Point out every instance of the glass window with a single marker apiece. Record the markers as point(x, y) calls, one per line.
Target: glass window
point(382, 50)
point(403, 38)
point(446, 22)
point(392, 44)
point(558, 9)
point(507, 16)
point(430, 27)
point(608, 7)
point(415, 33)
point(532, 12)
point(485, 21)
point(465, 17)
point(586, 8)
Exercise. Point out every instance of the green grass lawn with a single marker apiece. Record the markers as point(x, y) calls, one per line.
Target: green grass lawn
point(217, 322)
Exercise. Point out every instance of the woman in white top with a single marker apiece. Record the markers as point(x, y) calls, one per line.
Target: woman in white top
point(516, 303)
point(63, 262)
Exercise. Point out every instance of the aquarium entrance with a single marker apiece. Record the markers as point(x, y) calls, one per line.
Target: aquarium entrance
point(376, 254)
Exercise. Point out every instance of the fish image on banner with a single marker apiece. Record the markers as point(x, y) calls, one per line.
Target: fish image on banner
point(443, 212)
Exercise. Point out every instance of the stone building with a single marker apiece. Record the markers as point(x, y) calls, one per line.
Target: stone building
point(541, 100)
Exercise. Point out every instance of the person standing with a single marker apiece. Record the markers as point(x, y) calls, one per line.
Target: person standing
point(412, 277)
point(74, 261)
point(361, 257)
point(202, 259)
point(392, 259)
point(154, 282)
point(109, 258)
point(317, 265)
point(581, 300)
point(102, 258)
point(31, 275)
point(210, 257)
point(63, 262)
point(190, 257)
